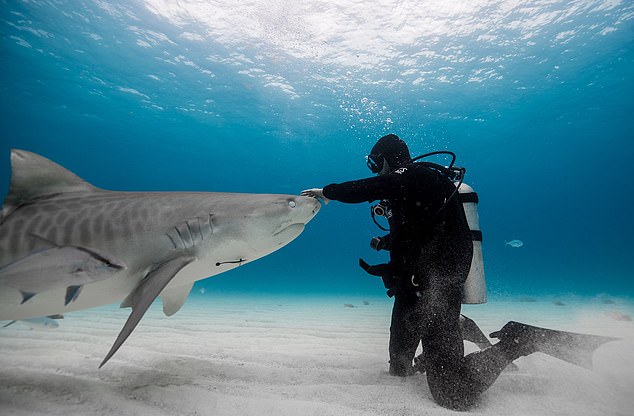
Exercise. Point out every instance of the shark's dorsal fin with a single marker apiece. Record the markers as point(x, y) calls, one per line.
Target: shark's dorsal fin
point(35, 177)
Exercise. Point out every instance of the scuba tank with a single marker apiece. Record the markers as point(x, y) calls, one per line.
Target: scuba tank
point(474, 289)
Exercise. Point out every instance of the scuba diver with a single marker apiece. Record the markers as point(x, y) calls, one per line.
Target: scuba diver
point(431, 250)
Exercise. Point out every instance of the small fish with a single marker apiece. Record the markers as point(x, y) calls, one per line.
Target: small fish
point(348, 305)
point(514, 243)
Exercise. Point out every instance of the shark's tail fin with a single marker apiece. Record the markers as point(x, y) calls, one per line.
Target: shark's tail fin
point(568, 346)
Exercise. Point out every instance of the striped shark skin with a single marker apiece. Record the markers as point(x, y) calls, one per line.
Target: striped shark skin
point(67, 245)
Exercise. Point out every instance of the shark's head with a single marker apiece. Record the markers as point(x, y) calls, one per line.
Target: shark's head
point(281, 219)
point(253, 225)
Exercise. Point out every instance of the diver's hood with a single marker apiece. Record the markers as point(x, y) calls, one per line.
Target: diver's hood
point(393, 149)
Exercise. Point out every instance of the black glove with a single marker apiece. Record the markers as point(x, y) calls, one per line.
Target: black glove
point(381, 243)
point(384, 271)
point(377, 270)
point(377, 243)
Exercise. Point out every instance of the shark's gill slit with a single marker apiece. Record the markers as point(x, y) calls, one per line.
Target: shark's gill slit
point(186, 235)
point(191, 232)
point(180, 236)
point(172, 236)
point(200, 229)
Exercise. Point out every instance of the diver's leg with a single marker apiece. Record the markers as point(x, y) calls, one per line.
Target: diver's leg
point(404, 335)
point(455, 381)
point(472, 332)
point(443, 347)
point(518, 340)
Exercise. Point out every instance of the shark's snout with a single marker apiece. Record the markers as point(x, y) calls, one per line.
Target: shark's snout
point(302, 210)
point(309, 205)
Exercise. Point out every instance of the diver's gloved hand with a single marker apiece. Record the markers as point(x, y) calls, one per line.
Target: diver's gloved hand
point(384, 271)
point(317, 193)
point(368, 269)
point(380, 270)
point(377, 243)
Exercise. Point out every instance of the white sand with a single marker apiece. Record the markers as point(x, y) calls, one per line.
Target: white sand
point(233, 355)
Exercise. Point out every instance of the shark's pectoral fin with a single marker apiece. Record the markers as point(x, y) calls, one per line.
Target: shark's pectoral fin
point(50, 266)
point(143, 296)
point(174, 298)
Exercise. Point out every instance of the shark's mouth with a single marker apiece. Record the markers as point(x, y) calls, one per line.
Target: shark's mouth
point(290, 232)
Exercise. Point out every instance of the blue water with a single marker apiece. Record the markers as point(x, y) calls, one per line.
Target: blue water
point(535, 97)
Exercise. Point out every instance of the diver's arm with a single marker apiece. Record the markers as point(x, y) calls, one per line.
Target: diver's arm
point(365, 190)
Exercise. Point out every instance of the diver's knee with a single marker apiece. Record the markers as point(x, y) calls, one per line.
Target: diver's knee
point(451, 398)
point(450, 394)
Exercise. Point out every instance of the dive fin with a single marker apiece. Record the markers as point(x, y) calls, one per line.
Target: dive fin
point(174, 298)
point(10, 323)
point(571, 347)
point(143, 296)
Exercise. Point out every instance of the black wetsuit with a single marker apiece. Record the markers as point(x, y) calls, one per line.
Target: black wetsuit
point(430, 256)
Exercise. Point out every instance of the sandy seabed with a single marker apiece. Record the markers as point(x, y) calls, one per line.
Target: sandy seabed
point(275, 355)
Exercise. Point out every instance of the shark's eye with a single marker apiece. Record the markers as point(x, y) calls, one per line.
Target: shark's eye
point(292, 204)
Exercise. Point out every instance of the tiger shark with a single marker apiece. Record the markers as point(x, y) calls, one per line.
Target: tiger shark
point(67, 245)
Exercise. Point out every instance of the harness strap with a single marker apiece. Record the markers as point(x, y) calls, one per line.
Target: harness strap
point(469, 197)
